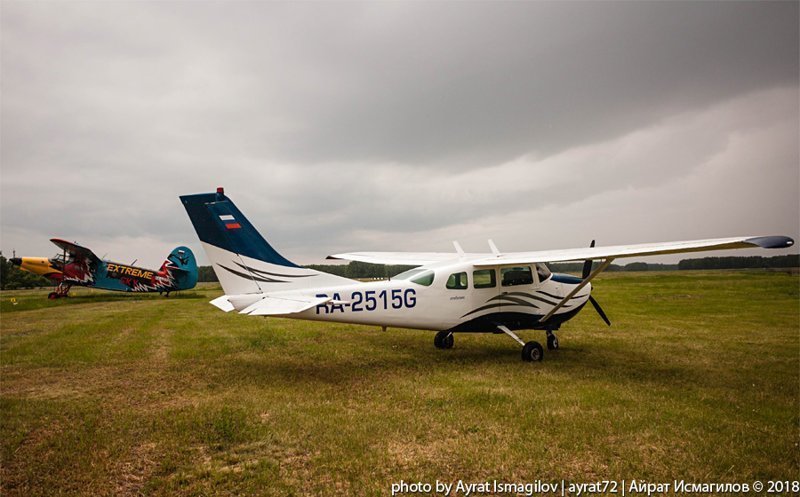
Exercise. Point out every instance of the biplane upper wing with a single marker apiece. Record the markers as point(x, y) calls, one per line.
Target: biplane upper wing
point(75, 250)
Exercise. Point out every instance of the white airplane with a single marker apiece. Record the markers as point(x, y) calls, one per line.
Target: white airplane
point(449, 292)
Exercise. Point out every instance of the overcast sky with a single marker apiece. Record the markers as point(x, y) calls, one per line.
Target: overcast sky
point(398, 126)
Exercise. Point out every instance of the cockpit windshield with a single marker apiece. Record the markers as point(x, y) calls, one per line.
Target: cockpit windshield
point(419, 276)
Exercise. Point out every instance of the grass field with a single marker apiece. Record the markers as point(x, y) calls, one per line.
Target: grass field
point(109, 394)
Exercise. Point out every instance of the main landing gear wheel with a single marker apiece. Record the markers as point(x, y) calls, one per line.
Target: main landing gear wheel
point(52, 295)
point(532, 352)
point(552, 341)
point(443, 340)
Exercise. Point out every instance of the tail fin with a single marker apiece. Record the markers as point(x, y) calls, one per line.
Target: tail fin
point(243, 261)
point(182, 266)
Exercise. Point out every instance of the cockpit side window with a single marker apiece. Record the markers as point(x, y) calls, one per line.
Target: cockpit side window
point(457, 281)
point(514, 276)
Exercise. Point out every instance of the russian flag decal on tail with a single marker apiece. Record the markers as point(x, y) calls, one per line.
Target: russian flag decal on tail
point(230, 222)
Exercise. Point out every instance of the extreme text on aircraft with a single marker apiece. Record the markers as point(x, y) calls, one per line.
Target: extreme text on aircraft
point(449, 293)
point(79, 266)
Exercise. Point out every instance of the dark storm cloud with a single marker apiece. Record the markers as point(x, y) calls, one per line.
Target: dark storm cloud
point(356, 121)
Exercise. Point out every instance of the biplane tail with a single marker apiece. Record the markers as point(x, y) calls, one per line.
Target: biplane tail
point(241, 258)
point(182, 265)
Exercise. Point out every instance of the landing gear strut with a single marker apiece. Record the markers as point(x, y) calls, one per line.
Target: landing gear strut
point(62, 290)
point(444, 340)
point(552, 340)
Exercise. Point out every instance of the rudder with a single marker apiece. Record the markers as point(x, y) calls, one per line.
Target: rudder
point(182, 265)
point(242, 259)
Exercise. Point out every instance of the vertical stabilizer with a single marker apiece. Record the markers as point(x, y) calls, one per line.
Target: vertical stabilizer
point(182, 266)
point(241, 258)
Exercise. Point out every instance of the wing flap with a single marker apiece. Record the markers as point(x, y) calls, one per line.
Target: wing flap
point(638, 250)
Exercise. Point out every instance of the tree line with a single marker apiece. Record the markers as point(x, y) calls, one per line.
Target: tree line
point(12, 277)
point(753, 262)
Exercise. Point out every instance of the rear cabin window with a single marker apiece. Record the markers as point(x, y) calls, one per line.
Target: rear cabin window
point(484, 278)
point(514, 276)
point(457, 281)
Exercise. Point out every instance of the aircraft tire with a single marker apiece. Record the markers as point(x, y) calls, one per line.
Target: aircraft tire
point(52, 295)
point(552, 342)
point(443, 340)
point(532, 352)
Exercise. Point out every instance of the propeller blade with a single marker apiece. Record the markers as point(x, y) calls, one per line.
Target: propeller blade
point(587, 266)
point(599, 310)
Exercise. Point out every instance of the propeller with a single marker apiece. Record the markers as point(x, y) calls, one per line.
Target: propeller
point(599, 310)
point(587, 270)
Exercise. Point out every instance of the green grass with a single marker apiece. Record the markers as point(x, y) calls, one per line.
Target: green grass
point(109, 394)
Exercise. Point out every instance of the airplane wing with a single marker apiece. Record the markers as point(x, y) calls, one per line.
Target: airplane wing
point(565, 255)
point(639, 250)
point(75, 250)
point(274, 306)
point(400, 258)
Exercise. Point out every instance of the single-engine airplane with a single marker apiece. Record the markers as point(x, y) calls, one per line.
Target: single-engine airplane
point(78, 266)
point(449, 293)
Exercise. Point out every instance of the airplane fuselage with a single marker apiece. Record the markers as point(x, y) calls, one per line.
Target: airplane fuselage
point(179, 272)
point(453, 297)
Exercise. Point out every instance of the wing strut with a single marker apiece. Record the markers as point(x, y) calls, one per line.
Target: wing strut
point(602, 267)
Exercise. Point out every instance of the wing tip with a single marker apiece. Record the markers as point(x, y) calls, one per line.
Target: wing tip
point(771, 242)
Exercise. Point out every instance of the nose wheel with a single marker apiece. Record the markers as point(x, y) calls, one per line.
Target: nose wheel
point(443, 340)
point(552, 341)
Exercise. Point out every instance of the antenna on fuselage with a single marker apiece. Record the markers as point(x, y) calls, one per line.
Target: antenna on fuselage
point(459, 250)
point(493, 248)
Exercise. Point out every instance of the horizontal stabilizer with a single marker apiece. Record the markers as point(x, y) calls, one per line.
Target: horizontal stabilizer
point(222, 303)
point(276, 306)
